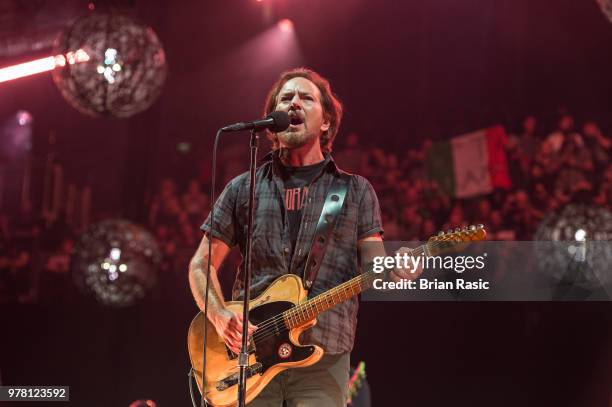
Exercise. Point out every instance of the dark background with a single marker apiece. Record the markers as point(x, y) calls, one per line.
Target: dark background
point(423, 354)
point(405, 70)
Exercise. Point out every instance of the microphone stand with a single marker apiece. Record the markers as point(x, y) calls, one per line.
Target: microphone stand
point(243, 357)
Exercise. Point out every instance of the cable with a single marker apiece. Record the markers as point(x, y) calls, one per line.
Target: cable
point(212, 218)
point(190, 381)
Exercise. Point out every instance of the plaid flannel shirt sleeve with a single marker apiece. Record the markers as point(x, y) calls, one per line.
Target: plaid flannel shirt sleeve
point(369, 220)
point(224, 227)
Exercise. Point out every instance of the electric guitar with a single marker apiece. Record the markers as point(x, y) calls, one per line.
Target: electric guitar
point(282, 312)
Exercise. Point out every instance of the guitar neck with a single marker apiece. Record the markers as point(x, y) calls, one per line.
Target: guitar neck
point(310, 309)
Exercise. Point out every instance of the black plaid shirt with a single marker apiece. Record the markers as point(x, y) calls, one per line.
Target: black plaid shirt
point(360, 217)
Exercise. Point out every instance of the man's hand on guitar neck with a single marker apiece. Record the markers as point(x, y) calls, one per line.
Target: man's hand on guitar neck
point(229, 327)
point(373, 246)
point(402, 273)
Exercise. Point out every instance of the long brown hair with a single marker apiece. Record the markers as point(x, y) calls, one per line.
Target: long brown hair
point(332, 107)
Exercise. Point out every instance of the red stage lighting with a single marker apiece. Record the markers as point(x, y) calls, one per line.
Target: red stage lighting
point(41, 65)
point(285, 25)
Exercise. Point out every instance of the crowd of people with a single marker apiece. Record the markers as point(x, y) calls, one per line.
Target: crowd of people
point(548, 169)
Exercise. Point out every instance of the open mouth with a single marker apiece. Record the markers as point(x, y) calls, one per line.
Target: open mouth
point(295, 120)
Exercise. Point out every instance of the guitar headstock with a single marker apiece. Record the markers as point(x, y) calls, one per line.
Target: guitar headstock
point(455, 239)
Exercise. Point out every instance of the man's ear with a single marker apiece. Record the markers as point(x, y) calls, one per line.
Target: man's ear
point(325, 126)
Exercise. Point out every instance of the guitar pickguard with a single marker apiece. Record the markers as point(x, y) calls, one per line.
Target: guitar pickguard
point(273, 345)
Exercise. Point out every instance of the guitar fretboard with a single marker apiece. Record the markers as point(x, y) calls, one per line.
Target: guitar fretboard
point(310, 309)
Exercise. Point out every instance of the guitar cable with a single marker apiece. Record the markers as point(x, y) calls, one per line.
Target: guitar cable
point(190, 384)
point(203, 402)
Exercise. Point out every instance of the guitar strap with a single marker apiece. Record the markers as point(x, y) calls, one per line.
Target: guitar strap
point(334, 201)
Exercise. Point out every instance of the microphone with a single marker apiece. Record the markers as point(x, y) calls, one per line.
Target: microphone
point(275, 122)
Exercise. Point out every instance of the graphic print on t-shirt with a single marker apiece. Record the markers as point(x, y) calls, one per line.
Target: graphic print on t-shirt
point(295, 198)
point(295, 182)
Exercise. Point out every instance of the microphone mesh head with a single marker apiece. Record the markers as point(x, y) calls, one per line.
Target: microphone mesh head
point(281, 121)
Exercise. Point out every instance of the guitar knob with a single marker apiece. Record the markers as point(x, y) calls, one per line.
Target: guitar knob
point(450, 231)
point(480, 226)
point(457, 230)
point(441, 233)
point(472, 227)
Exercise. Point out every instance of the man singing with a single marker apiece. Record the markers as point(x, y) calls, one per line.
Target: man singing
point(291, 188)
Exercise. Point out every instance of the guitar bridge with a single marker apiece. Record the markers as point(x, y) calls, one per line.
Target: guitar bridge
point(233, 379)
point(231, 355)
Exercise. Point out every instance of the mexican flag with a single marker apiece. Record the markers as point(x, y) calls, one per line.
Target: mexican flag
point(470, 165)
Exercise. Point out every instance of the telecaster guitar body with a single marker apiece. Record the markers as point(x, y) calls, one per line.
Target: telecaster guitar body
point(275, 350)
point(281, 314)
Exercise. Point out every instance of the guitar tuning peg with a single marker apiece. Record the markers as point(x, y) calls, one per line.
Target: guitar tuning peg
point(472, 227)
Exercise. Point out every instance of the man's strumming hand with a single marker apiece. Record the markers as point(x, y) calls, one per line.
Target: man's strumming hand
point(229, 327)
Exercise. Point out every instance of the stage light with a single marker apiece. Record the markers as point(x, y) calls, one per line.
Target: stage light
point(41, 65)
point(285, 25)
point(27, 69)
point(24, 118)
point(143, 403)
point(115, 253)
point(606, 7)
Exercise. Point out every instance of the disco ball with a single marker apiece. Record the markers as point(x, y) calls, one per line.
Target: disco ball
point(108, 65)
point(576, 222)
point(606, 7)
point(575, 242)
point(115, 261)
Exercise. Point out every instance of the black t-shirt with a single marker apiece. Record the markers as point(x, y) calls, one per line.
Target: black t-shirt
point(296, 181)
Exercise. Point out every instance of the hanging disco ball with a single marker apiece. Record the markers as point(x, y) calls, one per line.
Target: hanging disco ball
point(606, 7)
point(574, 243)
point(576, 222)
point(112, 66)
point(116, 262)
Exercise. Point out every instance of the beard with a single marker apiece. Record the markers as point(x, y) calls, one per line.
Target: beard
point(295, 139)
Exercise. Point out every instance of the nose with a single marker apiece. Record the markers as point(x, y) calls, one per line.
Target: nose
point(296, 103)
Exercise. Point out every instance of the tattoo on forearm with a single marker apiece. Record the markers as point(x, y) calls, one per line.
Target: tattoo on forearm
point(197, 281)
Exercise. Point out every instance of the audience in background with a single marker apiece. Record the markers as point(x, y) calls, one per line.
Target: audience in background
point(547, 173)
